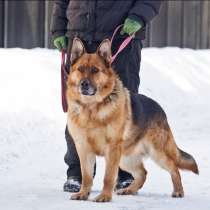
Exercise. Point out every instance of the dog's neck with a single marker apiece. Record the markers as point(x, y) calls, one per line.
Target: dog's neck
point(113, 96)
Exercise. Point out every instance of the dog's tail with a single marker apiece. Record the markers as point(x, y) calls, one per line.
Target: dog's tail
point(182, 159)
point(186, 161)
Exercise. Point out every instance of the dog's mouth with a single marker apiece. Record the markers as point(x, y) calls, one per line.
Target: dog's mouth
point(89, 92)
point(86, 88)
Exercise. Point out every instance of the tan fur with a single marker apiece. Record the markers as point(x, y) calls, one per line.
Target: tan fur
point(102, 124)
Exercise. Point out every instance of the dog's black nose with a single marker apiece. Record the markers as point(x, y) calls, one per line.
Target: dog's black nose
point(87, 88)
point(85, 83)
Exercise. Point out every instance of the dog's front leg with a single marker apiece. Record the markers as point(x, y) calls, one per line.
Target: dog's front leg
point(87, 161)
point(112, 158)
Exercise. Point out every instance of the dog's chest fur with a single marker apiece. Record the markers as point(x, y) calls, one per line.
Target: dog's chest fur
point(96, 138)
point(100, 138)
point(97, 127)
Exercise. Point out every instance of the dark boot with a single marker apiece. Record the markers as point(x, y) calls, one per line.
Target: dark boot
point(124, 180)
point(72, 184)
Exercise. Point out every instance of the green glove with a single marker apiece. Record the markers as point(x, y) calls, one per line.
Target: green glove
point(61, 43)
point(130, 27)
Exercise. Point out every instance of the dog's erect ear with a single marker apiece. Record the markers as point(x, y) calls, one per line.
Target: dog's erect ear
point(77, 50)
point(105, 52)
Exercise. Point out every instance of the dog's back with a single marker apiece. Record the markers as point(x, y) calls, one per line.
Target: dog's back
point(145, 110)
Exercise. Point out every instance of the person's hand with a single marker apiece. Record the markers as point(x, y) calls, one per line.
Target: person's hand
point(61, 43)
point(130, 27)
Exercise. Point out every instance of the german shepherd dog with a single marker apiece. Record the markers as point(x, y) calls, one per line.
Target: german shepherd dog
point(105, 119)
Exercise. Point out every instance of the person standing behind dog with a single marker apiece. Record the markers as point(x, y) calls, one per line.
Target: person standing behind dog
point(93, 21)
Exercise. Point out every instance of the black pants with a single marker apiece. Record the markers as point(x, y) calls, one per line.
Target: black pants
point(127, 66)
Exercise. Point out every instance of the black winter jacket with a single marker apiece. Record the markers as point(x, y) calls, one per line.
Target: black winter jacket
point(95, 20)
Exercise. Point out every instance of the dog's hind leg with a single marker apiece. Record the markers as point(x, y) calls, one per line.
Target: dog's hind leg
point(162, 148)
point(133, 165)
point(164, 161)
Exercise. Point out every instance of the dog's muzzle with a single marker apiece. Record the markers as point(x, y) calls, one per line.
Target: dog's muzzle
point(86, 88)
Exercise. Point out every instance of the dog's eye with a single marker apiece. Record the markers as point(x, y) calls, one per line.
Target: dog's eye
point(81, 69)
point(94, 70)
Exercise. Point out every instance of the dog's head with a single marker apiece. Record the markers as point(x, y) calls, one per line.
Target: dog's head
point(91, 77)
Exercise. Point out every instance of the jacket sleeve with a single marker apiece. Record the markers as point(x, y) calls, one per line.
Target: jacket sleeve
point(59, 20)
point(144, 10)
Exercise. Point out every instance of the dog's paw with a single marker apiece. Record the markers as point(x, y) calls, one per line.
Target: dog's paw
point(178, 194)
point(103, 198)
point(79, 196)
point(126, 191)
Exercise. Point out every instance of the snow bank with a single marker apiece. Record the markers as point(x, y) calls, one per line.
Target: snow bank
point(32, 124)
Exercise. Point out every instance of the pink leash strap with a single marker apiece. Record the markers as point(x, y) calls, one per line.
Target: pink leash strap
point(123, 45)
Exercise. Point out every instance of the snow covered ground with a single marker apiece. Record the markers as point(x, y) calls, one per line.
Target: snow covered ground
point(32, 143)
